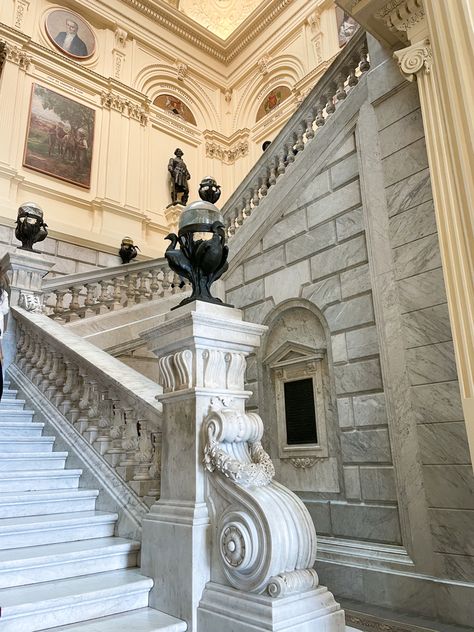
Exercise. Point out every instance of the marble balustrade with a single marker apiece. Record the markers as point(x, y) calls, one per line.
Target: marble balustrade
point(86, 294)
point(112, 406)
point(321, 103)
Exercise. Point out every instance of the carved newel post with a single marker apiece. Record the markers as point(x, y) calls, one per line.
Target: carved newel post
point(228, 547)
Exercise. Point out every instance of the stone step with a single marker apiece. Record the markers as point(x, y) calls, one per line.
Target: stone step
point(10, 403)
point(143, 620)
point(14, 504)
point(16, 415)
point(26, 444)
point(31, 565)
point(55, 603)
point(32, 461)
point(9, 393)
point(20, 429)
point(36, 480)
point(28, 531)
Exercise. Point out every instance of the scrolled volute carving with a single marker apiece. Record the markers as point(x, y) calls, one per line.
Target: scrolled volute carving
point(295, 581)
point(413, 59)
point(224, 428)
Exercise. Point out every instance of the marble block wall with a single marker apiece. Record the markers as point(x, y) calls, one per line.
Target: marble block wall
point(69, 258)
point(426, 332)
point(352, 235)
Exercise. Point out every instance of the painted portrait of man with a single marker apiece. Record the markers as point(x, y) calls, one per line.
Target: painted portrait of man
point(69, 32)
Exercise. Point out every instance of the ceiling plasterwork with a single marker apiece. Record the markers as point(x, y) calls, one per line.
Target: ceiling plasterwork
point(221, 17)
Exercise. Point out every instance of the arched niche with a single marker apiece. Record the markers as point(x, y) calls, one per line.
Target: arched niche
point(297, 399)
point(173, 105)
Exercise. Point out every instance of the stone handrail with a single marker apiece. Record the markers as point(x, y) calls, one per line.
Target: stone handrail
point(111, 405)
point(339, 79)
point(96, 292)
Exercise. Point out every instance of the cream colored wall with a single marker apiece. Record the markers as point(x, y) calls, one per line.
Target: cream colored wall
point(136, 60)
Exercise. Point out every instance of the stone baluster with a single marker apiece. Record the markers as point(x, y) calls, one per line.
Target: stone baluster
point(129, 444)
point(247, 210)
point(155, 468)
point(74, 305)
point(309, 132)
point(32, 358)
point(60, 381)
point(46, 371)
point(103, 440)
point(51, 388)
point(58, 307)
point(130, 292)
point(353, 79)
point(272, 178)
point(299, 144)
point(155, 283)
point(330, 105)
point(166, 283)
point(264, 184)
point(115, 451)
point(103, 299)
point(37, 361)
point(341, 91)
point(82, 421)
point(76, 392)
point(89, 301)
point(68, 386)
point(364, 64)
point(145, 293)
point(255, 197)
point(117, 293)
point(92, 430)
point(239, 220)
point(320, 120)
point(290, 156)
point(141, 481)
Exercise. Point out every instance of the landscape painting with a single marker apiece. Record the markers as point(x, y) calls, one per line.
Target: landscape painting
point(60, 137)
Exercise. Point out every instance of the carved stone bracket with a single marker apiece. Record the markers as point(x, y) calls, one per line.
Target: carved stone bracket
point(415, 58)
point(139, 112)
point(402, 15)
point(182, 70)
point(120, 37)
point(263, 64)
point(227, 154)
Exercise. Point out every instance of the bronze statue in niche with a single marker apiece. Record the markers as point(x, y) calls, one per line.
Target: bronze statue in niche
point(179, 178)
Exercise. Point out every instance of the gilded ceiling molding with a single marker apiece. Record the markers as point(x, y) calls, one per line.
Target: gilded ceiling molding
point(415, 58)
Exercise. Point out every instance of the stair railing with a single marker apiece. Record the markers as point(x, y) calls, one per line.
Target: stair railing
point(321, 103)
point(86, 294)
point(112, 406)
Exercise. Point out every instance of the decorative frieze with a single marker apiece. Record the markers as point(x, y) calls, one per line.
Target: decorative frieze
point(415, 58)
point(16, 55)
point(21, 8)
point(137, 111)
point(227, 154)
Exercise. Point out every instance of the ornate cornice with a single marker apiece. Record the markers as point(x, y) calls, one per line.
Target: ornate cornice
point(227, 154)
point(415, 58)
point(138, 111)
point(16, 55)
point(402, 15)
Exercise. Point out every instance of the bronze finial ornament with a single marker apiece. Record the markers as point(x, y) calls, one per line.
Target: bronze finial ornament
point(127, 250)
point(179, 178)
point(204, 260)
point(30, 227)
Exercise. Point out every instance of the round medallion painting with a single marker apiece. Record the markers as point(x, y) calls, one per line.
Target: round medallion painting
point(70, 33)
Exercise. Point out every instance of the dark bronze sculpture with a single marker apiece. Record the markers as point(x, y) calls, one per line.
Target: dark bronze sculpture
point(127, 250)
point(30, 227)
point(202, 261)
point(179, 178)
point(209, 190)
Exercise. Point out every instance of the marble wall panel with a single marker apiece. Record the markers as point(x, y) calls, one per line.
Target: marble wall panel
point(412, 224)
point(251, 372)
point(443, 443)
point(250, 293)
point(258, 313)
point(323, 293)
point(65, 266)
point(264, 263)
point(437, 402)
point(460, 567)
point(378, 483)
point(348, 254)
point(352, 482)
point(404, 163)
point(449, 486)
point(461, 603)
point(311, 242)
point(345, 412)
point(321, 515)
point(348, 146)
point(286, 283)
point(286, 228)
point(423, 290)
point(401, 133)
point(351, 313)
point(6, 235)
point(409, 192)
point(358, 376)
point(341, 200)
point(433, 363)
point(78, 253)
point(365, 446)
point(398, 105)
point(339, 350)
point(234, 278)
point(367, 522)
point(107, 260)
point(349, 224)
point(344, 171)
point(349, 581)
point(355, 281)
point(453, 531)
point(427, 326)
point(369, 410)
point(417, 256)
point(317, 187)
point(362, 342)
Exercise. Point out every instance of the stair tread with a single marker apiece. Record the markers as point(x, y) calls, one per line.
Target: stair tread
point(37, 495)
point(32, 455)
point(38, 474)
point(52, 553)
point(142, 620)
point(22, 522)
point(5, 423)
point(55, 592)
point(45, 439)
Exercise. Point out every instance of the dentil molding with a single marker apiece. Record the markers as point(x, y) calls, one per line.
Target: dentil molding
point(402, 15)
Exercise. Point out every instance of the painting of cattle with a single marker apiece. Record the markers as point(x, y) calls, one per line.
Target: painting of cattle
point(60, 137)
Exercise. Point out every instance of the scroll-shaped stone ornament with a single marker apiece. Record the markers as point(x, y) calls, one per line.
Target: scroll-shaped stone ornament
point(414, 58)
point(265, 535)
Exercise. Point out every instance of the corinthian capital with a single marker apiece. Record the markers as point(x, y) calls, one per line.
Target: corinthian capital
point(415, 58)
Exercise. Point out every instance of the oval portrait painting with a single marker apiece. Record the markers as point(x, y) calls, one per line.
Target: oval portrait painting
point(70, 33)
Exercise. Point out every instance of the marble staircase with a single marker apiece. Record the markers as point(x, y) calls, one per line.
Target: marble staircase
point(61, 566)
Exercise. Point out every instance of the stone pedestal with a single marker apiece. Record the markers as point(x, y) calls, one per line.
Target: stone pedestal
point(25, 271)
point(228, 548)
point(172, 215)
